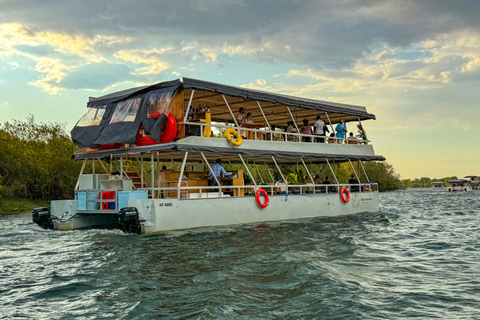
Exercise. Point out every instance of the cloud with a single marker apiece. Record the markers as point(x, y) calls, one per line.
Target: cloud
point(149, 57)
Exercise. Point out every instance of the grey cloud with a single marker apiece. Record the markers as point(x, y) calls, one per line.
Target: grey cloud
point(321, 34)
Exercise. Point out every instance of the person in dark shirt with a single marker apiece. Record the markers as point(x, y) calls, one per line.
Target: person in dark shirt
point(353, 181)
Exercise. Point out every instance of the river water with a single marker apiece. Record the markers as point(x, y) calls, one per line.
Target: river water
point(418, 257)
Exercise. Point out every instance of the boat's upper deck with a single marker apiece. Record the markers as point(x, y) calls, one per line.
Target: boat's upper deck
point(194, 113)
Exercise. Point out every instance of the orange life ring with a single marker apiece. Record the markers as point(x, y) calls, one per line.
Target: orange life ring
point(257, 195)
point(344, 190)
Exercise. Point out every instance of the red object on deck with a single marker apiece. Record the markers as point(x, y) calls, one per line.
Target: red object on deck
point(168, 134)
point(107, 195)
point(111, 146)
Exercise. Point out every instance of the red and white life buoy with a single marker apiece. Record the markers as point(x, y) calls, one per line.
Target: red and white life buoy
point(344, 191)
point(265, 194)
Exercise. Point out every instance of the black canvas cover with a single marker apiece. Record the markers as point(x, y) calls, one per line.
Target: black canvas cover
point(116, 118)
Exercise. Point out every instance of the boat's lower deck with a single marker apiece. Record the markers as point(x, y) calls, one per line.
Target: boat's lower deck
point(175, 214)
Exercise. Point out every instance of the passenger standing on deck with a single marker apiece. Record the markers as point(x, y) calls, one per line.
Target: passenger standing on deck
point(306, 129)
point(290, 130)
point(341, 130)
point(240, 117)
point(319, 129)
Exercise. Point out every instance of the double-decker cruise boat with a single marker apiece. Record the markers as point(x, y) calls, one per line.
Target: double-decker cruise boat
point(189, 153)
point(474, 183)
point(438, 185)
point(459, 185)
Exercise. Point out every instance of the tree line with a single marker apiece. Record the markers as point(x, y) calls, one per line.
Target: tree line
point(36, 163)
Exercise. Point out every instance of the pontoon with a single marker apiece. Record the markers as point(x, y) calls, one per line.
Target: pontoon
point(150, 152)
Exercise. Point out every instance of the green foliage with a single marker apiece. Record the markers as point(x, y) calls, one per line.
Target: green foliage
point(383, 174)
point(35, 162)
point(423, 182)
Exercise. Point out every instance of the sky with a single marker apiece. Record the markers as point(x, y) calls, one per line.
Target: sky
point(415, 64)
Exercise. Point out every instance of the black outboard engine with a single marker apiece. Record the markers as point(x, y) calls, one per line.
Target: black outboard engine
point(129, 220)
point(42, 217)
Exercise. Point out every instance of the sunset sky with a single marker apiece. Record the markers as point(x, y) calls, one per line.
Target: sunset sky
point(414, 64)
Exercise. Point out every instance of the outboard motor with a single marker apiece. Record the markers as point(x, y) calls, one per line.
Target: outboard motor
point(42, 217)
point(129, 220)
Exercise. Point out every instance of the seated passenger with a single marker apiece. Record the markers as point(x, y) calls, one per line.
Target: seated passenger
point(332, 138)
point(330, 189)
point(353, 181)
point(352, 139)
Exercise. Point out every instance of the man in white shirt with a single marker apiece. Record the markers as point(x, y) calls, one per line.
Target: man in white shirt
point(319, 125)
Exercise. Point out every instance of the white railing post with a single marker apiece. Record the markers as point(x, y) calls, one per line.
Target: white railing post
point(249, 173)
point(189, 105)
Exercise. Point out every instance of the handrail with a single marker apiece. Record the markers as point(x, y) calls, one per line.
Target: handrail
point(274, 189)
point(272, 133)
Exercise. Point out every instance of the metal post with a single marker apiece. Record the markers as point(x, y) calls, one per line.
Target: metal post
point(211, 170)
point(188, 107)
point(258, 171)
point(121, 166)
point(249, 173)
point(278, 168)
point(141, 171)
point(331, 126)
point(332, 171)
point(294, 122)
point(271, 176)
point(93, 166)
point(364, 170)
point(355, 172)
point(153, 175)
point(264, 117)
point(228, 106)
point(181, 175)
point(311, 178)
point(81, 172)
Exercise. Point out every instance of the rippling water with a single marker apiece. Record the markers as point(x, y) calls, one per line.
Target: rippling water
point(418, 257)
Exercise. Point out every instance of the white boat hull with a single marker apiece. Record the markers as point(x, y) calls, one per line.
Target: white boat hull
point(174, 214)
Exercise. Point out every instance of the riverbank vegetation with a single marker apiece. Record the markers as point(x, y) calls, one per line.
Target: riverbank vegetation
point(36, 166)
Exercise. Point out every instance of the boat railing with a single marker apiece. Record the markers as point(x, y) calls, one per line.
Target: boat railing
point(185, 192)
point(273, 135)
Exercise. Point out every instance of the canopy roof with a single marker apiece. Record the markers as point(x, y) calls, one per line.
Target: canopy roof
point(176, 151)
point(222, 100)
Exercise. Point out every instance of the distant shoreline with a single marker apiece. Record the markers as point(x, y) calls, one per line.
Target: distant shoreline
point(12, 206)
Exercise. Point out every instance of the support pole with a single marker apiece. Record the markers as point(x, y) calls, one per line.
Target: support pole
point(153, 175)
point(181, 175)
point(121, 166)
point(211, 170)
point(332, 171)
point(364, 170)
point(331, 126)
point(271, 176)
point(311, 178)
point(81, 172)
point(230, 109)
point(294, 122)
point(278, 168)
point(264, 117)
point(258, 171)
point(188, 107)
point(249, 173)
point(355, 172)
point(141, 171)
